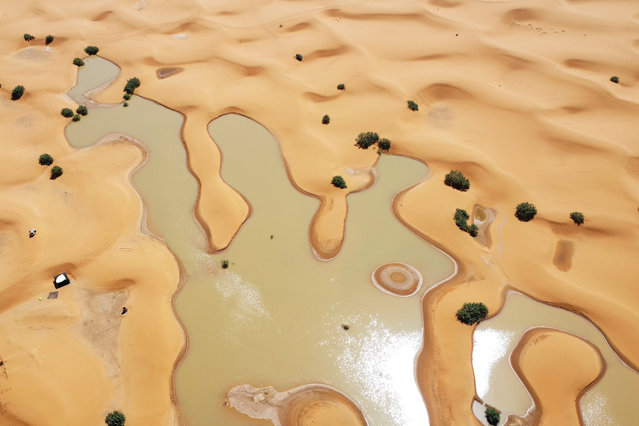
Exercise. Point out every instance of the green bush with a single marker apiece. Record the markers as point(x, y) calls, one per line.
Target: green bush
point(28, 37)
point(67, 112)
point(17, 93)
point(76, 117)
point(338, 182)
point(525, 212)
point(614, 79)
point(131, 85)
point(45, 160)
point(577, 217)
point(82, 110)
point(341, 86)
point(48, 39)
point(78, 62)
point(225, 264)
point(412, 105)
point(326, 119)
point(384, 144)
point(492, 415)
point(461, 220)
point(115, 418)
point(472, 313)
point(366, 139)
point(56, 172)
point(126, 104)
point(299, 57)
point(126, 97)
point(457, 180)
point(91, 50)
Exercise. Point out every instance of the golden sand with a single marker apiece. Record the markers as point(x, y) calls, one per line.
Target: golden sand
point(515, 95)
point(556, 380)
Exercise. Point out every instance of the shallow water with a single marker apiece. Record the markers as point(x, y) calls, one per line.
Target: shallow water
point(607, 403)
point(275, 316)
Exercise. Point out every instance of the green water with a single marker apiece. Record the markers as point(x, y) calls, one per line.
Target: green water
point(607, 403)
point(275, 316)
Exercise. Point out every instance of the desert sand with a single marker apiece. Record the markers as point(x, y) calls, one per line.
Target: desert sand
point(514, 94)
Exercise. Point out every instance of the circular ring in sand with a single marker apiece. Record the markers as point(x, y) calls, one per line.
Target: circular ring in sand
point(398, 279)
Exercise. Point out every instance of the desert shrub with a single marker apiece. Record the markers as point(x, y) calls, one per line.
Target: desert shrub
point(492, 415)
point(131, 85)
point(326, 119)
point(366, 139)
point(56, 172)
point(76, 117)
point(457, 180)
point(225, 264)
point(525, 212)
point(28, 37)
point(126, 104)
point(45, 160)
point(577, 217)
point(338, 182)
point(17, 93)
point(412, 105)
point(126, 97)
point(384, 144)
point(614, 79)
point(78, 62)
point(299, 57)
point(472, 313)
point(82, 110)
point(115, 418)
point(461, 220)
point(91, 50)
point(341, 86)
point(67, 112)
point(48, 39)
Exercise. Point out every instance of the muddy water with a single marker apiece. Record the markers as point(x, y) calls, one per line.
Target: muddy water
point(607, 403)
point(276, 315)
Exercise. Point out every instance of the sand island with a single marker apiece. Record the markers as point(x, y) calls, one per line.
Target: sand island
point(209, 211)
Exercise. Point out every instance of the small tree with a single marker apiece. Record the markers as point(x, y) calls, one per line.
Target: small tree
point(82, 110)
point(472, 313)
point(457, 180)
point(67, 112)
point(366, 139)
point(126, 104)
point(577, 217)
point(76, 117)
point(225, 264)
point(115, 418)
point(473, 230)
point(525, 212)
point(338, 182)
point(341, 86)
point(326, 119)
point(384, 144)
point(17, 93)
point(126, 96)
point(78, 62)
point(299, 57)
point(412, 105)
point(45, 160)
point(492, 415)
point(614, 79)
point(48, 39)
point(91, 50)
point(56, 172)
point(131, 85)
point(28, 37)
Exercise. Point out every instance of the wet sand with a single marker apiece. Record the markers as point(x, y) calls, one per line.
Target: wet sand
point(537, 120)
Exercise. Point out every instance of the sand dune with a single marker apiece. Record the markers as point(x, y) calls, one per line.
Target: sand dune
point(514, 94)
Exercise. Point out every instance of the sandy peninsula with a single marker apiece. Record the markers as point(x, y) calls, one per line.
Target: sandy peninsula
point(517, 95)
